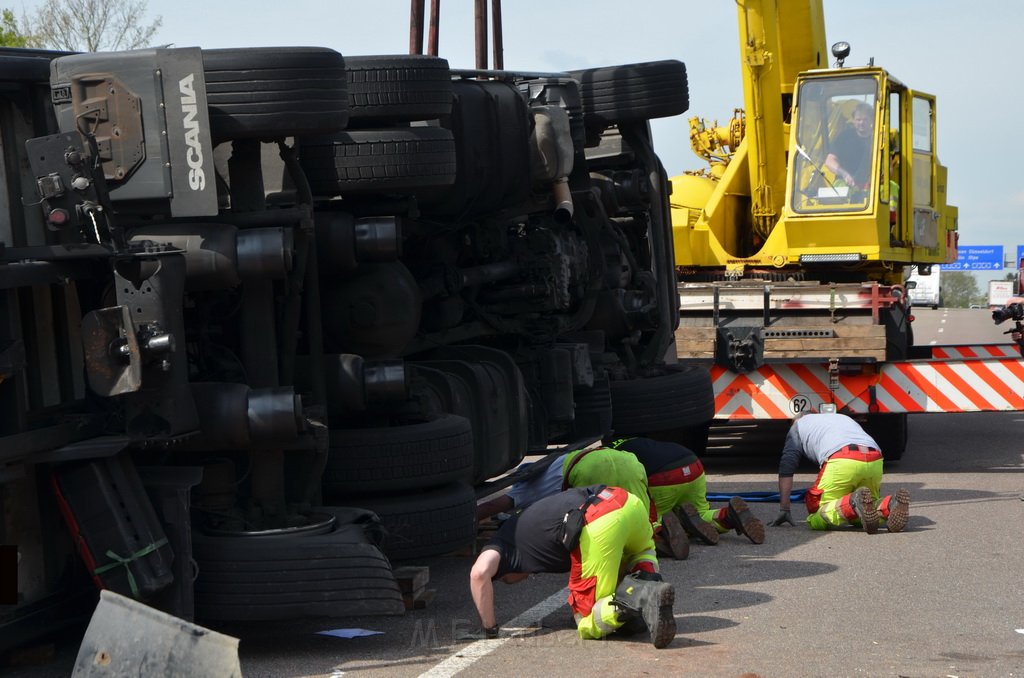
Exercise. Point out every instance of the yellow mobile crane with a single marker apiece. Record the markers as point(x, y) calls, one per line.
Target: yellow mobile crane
point(771, 200)
point(792, 245)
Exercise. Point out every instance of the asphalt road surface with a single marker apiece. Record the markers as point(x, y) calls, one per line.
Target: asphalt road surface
point(942, 598)
point(958, 326)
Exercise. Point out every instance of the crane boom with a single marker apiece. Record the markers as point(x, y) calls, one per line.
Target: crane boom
point(775, 47)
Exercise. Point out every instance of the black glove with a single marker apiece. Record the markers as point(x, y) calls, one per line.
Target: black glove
point(783, 517)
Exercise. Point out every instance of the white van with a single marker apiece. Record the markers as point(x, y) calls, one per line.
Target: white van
point(927, 289)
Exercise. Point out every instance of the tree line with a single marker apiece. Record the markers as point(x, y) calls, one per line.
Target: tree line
point(80, 26)
point(960, 289)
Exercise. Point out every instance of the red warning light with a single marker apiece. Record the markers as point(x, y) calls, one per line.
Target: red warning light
point(58, 217)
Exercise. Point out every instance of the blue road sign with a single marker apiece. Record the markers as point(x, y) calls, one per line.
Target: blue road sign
point(1020, 254)
point(977, 258)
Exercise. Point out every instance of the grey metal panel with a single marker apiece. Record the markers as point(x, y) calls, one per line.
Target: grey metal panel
point(177, 173)
point(188, 133)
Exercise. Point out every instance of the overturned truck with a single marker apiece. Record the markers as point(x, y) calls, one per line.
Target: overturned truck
point(268, 316)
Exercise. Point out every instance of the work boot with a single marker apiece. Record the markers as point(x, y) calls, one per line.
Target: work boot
point(653, 601)
point(633, 625)
point(899, 510)
point(864, 505)
point(673, 537)
point(696, 526)
point(744, 522)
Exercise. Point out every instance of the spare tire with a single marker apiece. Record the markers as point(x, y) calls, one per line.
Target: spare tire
point(385, 89)
point(890, 432)
point(275, 92)
point(633, 92)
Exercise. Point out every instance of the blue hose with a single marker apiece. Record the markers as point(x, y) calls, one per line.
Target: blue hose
point(795, 495)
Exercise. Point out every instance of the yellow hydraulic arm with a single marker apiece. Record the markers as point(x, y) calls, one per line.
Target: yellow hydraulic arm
point(775, 46)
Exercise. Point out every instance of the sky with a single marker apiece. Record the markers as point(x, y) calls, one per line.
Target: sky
point(962, 52)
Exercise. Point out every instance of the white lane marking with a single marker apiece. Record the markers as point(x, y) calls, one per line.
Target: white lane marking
point(522, 625)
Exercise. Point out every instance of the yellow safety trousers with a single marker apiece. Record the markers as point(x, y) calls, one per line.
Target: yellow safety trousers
point(610, 545)
point(840, 478)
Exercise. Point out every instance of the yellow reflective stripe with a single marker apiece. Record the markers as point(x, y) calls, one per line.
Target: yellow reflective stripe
point(598, 613)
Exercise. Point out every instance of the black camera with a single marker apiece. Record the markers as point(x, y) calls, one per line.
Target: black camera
point(1008, 312)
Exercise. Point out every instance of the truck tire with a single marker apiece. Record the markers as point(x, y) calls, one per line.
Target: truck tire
point(339, 573)
point(593, 412)
point(275, 92)
point(633, 92)
point(899, 335)
point(500, 404)
point(694, 437)
point(682, 396)
point(890, 432)
point(386, 89)
point(379, 161)
point(491, 124)
point(429, 523)
point(427, 453)
point(374, 313)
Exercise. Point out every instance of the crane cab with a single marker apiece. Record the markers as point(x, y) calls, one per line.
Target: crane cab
point(776, 202)
point(864, 183)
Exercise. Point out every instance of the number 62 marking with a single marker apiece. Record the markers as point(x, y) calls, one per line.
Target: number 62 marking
point(799, 403)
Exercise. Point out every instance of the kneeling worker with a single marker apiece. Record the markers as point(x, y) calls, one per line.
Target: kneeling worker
point(848, 486)
point(594, 533)
point(676, 481)
point(595, 466)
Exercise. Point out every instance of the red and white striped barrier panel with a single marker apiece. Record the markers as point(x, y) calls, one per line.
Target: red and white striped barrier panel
point(990, 382)
point(981, 351)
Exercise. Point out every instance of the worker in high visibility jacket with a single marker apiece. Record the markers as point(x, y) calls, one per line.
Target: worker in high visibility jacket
point(613, 535)
point(594, 466)
point(847, 490)
point(678, 485)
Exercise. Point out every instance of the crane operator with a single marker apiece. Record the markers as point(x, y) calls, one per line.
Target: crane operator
point(850, 158)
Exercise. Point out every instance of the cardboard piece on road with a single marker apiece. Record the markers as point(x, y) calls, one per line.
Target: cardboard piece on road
point(349, 633)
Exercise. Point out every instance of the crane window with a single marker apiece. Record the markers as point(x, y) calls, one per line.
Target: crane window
point(922, 139)
point(835, 158)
